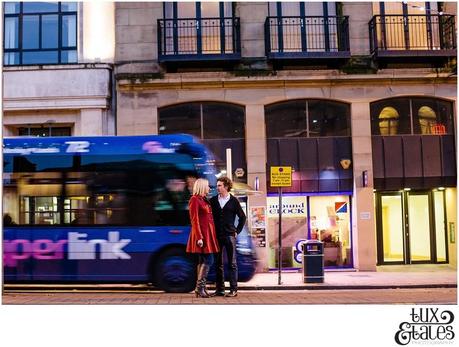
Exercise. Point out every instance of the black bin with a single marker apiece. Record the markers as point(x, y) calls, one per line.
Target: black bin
point(313, 261)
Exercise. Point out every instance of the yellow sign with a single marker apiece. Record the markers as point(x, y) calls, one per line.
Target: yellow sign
point(281, 176)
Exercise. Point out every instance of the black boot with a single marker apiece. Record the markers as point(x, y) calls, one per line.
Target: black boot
point(200, 290)
point(205, 271)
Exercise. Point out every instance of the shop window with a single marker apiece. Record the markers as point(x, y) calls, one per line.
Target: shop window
point(287, 119)
point(40, 33)
point(206, 120)
point(329, 222)
point(328, 119)
point(307, 118)
point(230, 122)
point(183, 118)
point(388, 121)
point(218, 125)
point(425, 116)
point(44, 131)
point(432, 116)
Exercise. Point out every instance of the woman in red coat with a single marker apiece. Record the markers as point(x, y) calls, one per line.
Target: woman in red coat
point(202, 240)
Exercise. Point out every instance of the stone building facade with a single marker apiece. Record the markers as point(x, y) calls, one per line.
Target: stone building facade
point(266, 55)
point(61, 83)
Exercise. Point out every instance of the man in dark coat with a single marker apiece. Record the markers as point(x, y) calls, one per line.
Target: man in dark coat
point(225, 208)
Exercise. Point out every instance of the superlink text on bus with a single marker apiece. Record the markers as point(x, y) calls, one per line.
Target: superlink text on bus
point(79, 247)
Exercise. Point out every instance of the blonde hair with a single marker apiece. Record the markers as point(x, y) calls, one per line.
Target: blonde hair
point(199, 187)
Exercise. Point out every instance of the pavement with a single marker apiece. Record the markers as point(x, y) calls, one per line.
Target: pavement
point(390, 276)
point(385, 277)
point(431, 296)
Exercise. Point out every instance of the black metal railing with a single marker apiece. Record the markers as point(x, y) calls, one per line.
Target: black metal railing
point(412, 33)
point(204, 38)
point(307, 36)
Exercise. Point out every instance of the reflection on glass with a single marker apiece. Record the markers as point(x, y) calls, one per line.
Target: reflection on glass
point(11, 7)
point(44, 57)
point(30, 32)
point(68, 31)
point(49, 31)
point(419, 223)
point(69, 6)
point(40, 7)
point(392, 228)
point(440, 230)
point(11, 32)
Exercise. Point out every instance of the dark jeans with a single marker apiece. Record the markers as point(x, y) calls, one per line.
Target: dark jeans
point(228, 243)
point(206, 258)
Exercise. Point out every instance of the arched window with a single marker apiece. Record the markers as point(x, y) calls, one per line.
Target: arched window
point(205, 120)
point(411, 115)
point(219, 126)
point(307, 118)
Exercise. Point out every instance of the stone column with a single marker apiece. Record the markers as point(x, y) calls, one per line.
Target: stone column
point(253, 16)
point(137, 113)
point(359, 14)
point(256, 164)
point(363, 212)
point(91, 122)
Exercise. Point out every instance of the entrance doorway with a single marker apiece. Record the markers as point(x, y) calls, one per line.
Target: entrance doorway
point(411, 227)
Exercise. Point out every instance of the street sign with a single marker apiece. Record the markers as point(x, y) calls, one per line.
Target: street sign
point(281, 176)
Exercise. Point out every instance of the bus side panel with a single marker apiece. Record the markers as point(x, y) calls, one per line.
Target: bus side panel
point(17, 262)
point(96, 254)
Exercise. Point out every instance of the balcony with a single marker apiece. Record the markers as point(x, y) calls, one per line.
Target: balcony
point(314, 38)
point(413, 37)
point(192, 39)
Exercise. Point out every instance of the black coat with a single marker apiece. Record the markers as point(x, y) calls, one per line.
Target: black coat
point(224, 218)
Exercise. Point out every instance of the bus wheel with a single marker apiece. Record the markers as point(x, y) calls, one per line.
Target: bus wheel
point(175, 272)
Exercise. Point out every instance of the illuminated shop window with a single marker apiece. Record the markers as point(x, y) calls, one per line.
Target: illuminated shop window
point(415, 115)
point(329, 222)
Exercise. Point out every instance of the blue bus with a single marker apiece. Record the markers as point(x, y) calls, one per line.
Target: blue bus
point(108, 209)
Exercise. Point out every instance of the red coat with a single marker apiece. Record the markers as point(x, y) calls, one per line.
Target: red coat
point(202, 226)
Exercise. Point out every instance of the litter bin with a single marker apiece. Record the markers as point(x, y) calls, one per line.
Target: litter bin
point(313, 261)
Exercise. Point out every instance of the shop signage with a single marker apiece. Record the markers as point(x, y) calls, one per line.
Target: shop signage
point(365, 215)
point(345, 163)
point(341, 207)
point(298, 252)
point(281, 176)
point(258, 224)
point(292, 206)
point(260, 235)
point(452, 232)
point(239, 172)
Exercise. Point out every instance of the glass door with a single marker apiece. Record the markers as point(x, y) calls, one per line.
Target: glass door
point(420, 227)
point(411, 227)
point(393, 232)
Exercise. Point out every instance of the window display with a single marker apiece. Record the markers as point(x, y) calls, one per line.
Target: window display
point(329, 222)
